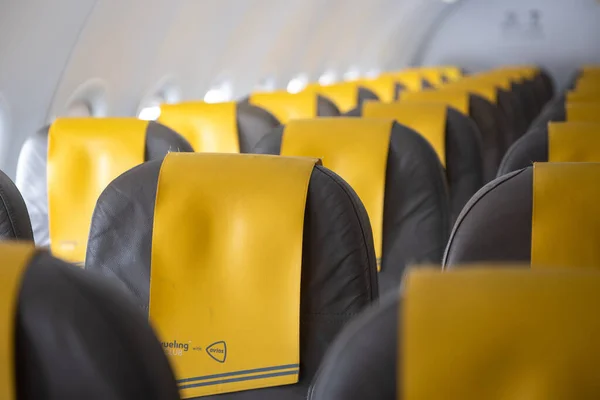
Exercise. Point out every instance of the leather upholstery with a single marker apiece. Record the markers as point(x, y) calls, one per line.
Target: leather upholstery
point(495, 226)
point(252, 123)
point(339, 271)
point(464, 159)
point(14, 218)
point(533, 147)
point(363, 361)
point(494, 127)
point(79, 337)
point(31, 171)
point(416, 215)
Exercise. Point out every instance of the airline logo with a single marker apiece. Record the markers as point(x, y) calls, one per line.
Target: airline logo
point(217, 351)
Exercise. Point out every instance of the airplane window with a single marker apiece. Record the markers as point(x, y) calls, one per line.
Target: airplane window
point(79, 108)
point(352, 74)
point(150, 110)
point(219, 94)
point(297, 84)
point(373, 73)
point(266, 85)
point(328, 78)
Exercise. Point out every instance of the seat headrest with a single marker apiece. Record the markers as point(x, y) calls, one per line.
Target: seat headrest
point(286, 106)
point(70, 334)
point(14, 217)
point(149, 218)
point(415, 204)
point(444, 335)
point(454, 136)
point(559, 142)
point(524, 217)
point(583, 96)
point(583, 112)
point(221, 127)
point(345, 95)
point(457, 99)
point(32, 164)
point(427, 119)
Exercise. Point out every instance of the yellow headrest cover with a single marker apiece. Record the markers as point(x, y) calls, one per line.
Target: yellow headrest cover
point(588, 83)
point(384, 87)
point(354, 148)
point(287, 106)
point(210, 128)
point(574, 142)
point(481, 88)
point(429, 120)
point(15, 259)
point(495, 333)
point(84, 156)
point(343, 94)
point(565, 220)
point(226, 263)
point(411, 80)
point(583, 96)
point(457, 99)
point(583, 112)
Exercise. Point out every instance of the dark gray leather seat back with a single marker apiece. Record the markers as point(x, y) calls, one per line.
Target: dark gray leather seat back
point(339, 271)
point(79, 337)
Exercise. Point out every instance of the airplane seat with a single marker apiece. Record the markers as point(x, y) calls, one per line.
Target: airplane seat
point(461, 151)
point(493, 126)
point(326, 107)
point(544, 214)
point(345, 95)
point(284, 106)
point(511, 106)
point(227, 127)
point(316, 220)
point(252, 124)
point(413, 225)
point(32, 168)
point(14, 217)
point(411, 345)
point(544, 80)
point(74, 335)
point(558, 142)
point(555, 110)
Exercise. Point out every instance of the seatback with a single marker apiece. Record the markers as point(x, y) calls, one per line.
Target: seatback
point(413, 224)
point(69, 334)
point(524, 216)
point(32, 169)
point(345, 95)
point(454, 136)
point(14, 217)
point(222, 127)
point(338, 267)
point(571, 142)
point(476, 333)
point(285, 106)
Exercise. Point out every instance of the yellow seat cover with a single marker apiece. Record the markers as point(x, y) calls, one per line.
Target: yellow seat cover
point(429, 120)
point(226, 263)
point(456, 99)
point(574, 142)
point(84, 156)
point(565, 222)
point(494, 333)
point(354, 148)
point(287, 106)
point(583, 112)
point(15, 258)
point(210, 128)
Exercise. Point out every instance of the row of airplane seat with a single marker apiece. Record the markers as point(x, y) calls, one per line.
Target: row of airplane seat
point(511, 314)
point(248, 242)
